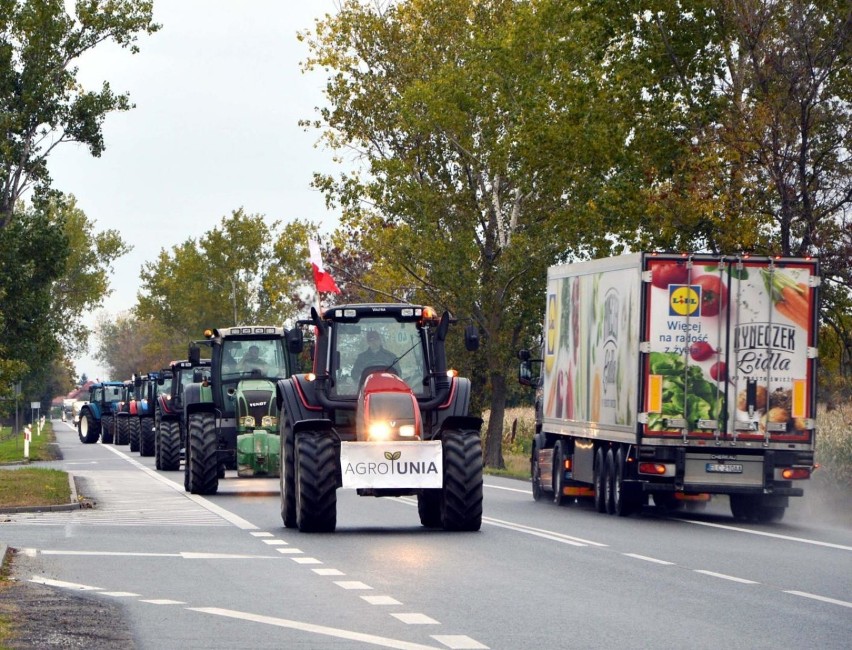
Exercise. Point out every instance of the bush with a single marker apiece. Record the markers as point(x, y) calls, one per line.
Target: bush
point(834, 444)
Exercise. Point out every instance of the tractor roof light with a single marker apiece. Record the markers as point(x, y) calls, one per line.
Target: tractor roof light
point(428, 317)
point(208, 333)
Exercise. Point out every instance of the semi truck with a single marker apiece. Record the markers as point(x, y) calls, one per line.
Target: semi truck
point(676, 376)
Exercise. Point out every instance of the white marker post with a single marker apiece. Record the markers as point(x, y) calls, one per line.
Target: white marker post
point(28, 434)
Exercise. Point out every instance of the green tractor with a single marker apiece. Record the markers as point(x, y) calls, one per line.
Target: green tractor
point(232, 419)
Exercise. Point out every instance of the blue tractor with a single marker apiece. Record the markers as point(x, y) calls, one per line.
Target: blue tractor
point(97, 416)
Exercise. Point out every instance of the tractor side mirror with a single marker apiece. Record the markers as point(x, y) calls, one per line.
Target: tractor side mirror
point(471, 338)
point(295, 341)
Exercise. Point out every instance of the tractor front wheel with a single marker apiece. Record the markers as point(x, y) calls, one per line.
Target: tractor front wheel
point(461, 508)
point(146, 436)
point(287, 475)
point(316, 462)
point(107, 435)
point(168, 449)
point(88, 428)
point(203, 457)
point(134, 433)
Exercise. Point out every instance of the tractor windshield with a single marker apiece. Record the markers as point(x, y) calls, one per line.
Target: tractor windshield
point(377, 344)
point(242, 359)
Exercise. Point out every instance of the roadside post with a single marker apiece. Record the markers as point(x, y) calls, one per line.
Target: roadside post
point(28, 434)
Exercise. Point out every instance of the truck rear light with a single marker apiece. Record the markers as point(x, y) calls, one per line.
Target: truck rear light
point(567, 464)
point(795, 473)
point(656, 469)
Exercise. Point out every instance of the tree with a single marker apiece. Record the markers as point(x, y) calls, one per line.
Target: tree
point(130, 345)
point(454, 202)
point(41, 102)
point(243, 271)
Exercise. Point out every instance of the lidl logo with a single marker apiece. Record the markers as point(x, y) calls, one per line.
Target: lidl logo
point(684, 300)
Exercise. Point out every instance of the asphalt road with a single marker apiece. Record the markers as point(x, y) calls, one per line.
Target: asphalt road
point(222, 572)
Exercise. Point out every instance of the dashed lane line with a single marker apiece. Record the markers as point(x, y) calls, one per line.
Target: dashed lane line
point(824, 599)
point(726, 577)
point(648, 559)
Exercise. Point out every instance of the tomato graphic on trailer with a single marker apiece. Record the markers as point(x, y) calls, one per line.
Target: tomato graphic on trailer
point(714, 294)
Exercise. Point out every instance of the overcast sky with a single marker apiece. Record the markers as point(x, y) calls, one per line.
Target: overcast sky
point(218, 93)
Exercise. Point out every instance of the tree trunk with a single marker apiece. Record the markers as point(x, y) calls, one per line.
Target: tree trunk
point(493, 455)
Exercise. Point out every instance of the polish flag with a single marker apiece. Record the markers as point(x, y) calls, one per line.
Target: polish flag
point(323, 280)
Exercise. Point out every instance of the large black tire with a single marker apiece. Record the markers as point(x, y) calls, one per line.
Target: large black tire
point(461, 508)
point(88, 428)
point(122, 433)
point(609, 482)
point(134, 427)
point(599, 476)
point(535, 475)
point(146, 436)
point(168, 449)
point(107, 433)
point(287, 475)
point(429, 507)
point(316, 463)
point(203, 458)
point(559, 497)
point(625, 501)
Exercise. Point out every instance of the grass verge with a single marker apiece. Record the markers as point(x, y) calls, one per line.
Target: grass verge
point(31, 486)
point(41, 447)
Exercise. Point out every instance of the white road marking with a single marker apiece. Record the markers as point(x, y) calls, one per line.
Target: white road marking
point(540, 532)
point(290, 551)
point(275, 542)
point(371, 639)
point(824, 599)
point(508, 489)
point(186, 555)
point(765, 534)
point(306, 560)
point(64, 585)
point(459, 642)
point(647, 559)
point(351, 584)
point(328, 572)
point(726, 577)
point(414, 618)
point(257, 534)
point(120, 594)
point(381, 600)
point(162, 601)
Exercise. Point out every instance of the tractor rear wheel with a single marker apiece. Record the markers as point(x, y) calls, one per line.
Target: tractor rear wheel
point(287, 475)
point(107, 423)
point(133, 424)
point(461, 508)
point(122, 434)
point(88, 428)
point(316, 462)
point(168, 450)
point(146, 436)
point(203, 457)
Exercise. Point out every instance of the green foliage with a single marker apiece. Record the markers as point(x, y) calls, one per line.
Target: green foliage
point(131, 345)
point(41, 102)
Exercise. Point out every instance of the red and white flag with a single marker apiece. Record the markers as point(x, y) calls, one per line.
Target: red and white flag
point(323, 280)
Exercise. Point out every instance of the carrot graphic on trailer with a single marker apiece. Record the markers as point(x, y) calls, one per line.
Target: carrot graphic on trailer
point(790, 298)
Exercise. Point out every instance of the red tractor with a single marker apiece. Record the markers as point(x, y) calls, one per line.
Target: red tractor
point(380, 413)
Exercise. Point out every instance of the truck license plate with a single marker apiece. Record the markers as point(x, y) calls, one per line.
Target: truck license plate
point(724, 468)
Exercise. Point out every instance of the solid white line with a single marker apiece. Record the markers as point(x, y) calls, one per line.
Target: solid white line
point(765, 534)
point(508, 489)
point(237, 521)
point(109, 553)
point(372, 639)
point(824, 599)
point(186, 555)
point(224, 556)
point(459, 642)
point(414, 618)
point(726, 577)
point(647, 559)
point(120, 594)
point(540, 532)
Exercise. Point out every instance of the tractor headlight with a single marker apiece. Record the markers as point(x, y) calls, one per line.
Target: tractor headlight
point(407, 431)
point(269, 421)
point(247, 421)
point(379, 431)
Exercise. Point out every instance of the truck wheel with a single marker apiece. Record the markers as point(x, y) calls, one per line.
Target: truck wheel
point(287, 476)
point(146, 437)
point(106, 429)
point(169, 449)
point(134, 433)
point(429, 508)
point(203, 456)
point(625, 501)
point(559, 497)
point(609, 482)
point(600, 470)
point(461, 508)
point(316, 462)
point(88, 428)
point(535, 475)
point(121, 431)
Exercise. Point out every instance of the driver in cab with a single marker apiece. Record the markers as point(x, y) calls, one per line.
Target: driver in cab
point(375, 355)
point(252, 360)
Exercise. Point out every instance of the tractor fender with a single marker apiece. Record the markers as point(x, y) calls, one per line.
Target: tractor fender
point(316, 426)
point(198, 398)
point(295, 398)
point(463, 423)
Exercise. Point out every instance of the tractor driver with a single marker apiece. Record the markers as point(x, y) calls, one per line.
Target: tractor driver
point(374, 355)
point(252, 360)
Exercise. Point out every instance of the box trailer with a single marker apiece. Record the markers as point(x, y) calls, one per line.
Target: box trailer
point(677, 376)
